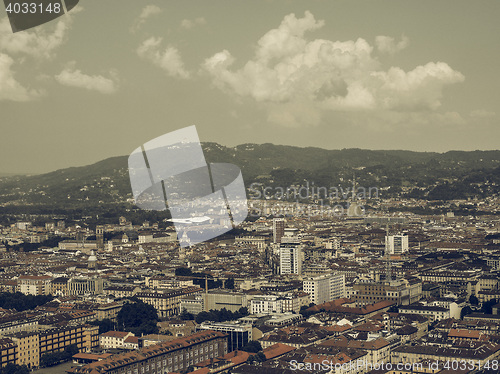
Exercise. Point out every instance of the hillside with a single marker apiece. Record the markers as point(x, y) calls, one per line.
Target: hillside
point(428, 175)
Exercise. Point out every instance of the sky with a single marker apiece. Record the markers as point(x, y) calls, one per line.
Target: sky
point(111, 75)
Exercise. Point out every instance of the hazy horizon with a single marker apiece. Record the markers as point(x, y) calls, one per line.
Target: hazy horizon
point(385, 75)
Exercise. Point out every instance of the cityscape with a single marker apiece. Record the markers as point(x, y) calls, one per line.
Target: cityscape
point(368, 290)
point(247, 187)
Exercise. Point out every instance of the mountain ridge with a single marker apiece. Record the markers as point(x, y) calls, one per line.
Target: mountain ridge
point(415, 174)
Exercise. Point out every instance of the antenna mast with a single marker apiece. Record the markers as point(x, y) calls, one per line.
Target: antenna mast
point(388, 270)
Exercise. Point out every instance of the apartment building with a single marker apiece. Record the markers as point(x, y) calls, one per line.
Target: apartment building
point(401, 291)
point(8, 352)
point(109, 311)
point(265, 304)
point(17, 322)
point(121, 291)
point(325, 287)
point(114, 339)
point(176, 355)
point(478, 354)
point(221, 298)
point(434, 313)
point(34, 284)
point(291, 258)
point(57, 339)
point(167, 303)
point(239, 334)
point(90, 337)
point(28, 348)
point(159, 281)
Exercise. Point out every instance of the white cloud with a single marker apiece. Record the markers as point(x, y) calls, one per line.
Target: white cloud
point(169, 59)
point(147, 12)
point(388, 44)
point(482, 113)
point(75, 78)
point(189, 24)
point(10, 88)
point(38, 42)
point(296, 79)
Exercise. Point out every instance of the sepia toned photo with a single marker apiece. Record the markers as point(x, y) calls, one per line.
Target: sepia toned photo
point(249, 187)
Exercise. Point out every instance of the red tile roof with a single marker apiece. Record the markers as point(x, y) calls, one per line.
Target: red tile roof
point(237, 357)
point(116, 334)
point(464, 333)
point(277, 349)
point(132, 339)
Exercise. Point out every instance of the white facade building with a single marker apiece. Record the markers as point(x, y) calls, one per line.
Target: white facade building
point(325, 287)
point(114, 339)
point(34, 284)
point(265, 304)
point(290, 258)
point(396, 244)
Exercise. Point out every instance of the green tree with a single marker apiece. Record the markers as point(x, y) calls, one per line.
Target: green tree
point(473, 300)
point(22, 302)
point(466, 310)
point(260, 356)
point(230, 284)
point(71, 350)
point(307, 313)
point(393, 309)
point(184, 272)
point(253, 346)
point(186, 316)
point(104, 326)
point(487, 306)
point(55, 358)
point(14, 369)
point(221, 315)
point(138, 317)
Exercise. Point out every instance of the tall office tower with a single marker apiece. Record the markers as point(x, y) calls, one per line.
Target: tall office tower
point(291, 258)
point(325, 287)
point(99, 233)
point(278, 229)
point(396, 244)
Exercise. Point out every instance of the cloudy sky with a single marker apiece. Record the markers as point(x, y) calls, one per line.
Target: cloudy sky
point(418, 75)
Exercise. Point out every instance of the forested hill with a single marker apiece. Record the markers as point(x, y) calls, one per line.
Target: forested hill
point(427, 175)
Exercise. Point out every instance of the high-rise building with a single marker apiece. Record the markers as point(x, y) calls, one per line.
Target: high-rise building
point(290, 258)
point(396, 244)
point(278, 229)
point(325, 287)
